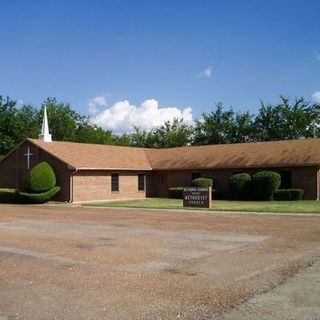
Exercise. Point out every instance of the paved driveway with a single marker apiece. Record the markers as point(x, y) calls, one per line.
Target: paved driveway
point(64, 262)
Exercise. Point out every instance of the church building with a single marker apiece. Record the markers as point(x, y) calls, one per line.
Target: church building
point(92, 172)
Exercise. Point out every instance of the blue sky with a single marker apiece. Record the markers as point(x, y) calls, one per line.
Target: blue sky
point(180, 53)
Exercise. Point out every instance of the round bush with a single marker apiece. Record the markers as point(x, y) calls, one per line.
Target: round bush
point(239, 185)
point(203, 182)
point(264, 184)
point(41, 178)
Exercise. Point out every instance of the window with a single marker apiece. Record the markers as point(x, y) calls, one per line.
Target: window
point(141, 182)
point(114, 182)
point(285, 179)
point(195, 175)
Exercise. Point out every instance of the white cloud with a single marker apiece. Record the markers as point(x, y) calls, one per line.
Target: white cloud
point(316, 96)
point(95, 103)
point(123, 116)
point(206, 73)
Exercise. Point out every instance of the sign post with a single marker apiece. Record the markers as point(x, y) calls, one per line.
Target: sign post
point(197, 197)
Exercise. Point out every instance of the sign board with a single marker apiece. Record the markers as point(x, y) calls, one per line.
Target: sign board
point(197, 197)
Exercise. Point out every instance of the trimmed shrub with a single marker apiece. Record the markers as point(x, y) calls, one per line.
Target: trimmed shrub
point(9, 196)
point(39, 197)
point(41, 178)
point(202, 182)
point(264, 184)
point(239, 186)
point(176, 193)
point(288, 194)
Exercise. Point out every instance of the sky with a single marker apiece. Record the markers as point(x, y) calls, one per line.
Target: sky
point(128, 63)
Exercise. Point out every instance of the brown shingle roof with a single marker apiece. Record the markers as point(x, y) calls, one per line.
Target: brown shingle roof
point(96, 156)
point(259, 154)
point(241, 155)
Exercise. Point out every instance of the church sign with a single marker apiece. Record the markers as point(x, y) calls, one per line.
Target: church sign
point(197, 197)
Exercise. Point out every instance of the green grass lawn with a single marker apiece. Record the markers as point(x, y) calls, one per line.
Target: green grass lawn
point(304, 206)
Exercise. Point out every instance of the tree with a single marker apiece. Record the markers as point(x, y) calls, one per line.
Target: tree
point(29, 122)
point(224, 126)
point(286, 120)
point(63, 121)
point(16, 124)
point(141, 138)
point(8, 124)
point(175, 133)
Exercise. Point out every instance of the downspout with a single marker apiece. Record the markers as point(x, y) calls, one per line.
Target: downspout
point(71, 185)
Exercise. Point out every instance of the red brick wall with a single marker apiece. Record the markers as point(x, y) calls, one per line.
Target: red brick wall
point(306, 178)
point(89, 185)
point(161, 181)
point(8, 172)
point(13, 170)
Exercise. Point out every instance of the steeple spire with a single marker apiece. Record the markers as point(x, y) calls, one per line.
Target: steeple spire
point(45, 135)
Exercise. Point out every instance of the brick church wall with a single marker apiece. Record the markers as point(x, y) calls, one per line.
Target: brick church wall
point(93, 185)
point(13, 169)
point(306, 178)
point(8, 172)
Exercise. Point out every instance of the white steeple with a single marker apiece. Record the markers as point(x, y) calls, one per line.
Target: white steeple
point(45, 135)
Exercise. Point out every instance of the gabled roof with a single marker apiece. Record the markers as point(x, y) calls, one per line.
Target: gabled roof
point(96, 156)
point(304, 152)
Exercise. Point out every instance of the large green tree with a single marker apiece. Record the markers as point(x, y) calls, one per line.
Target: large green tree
point(175, 133)
point(8, 124)
point(224, 126)
point(287, 120)
point(64, 122)
point(16, 123)
point(142, 138)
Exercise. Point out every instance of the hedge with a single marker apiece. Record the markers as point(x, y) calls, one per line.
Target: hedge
point(9, 196)
point(264, 184)
point(239, 186)
point(289, 194)
point(41, 178)
point(176, 193)
point(203, 182)
point(39, 197)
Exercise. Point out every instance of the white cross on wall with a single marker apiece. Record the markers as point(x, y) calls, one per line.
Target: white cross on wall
point(28, 155)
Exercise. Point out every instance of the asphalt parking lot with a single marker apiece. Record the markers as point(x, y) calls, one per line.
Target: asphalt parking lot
point(65, 262)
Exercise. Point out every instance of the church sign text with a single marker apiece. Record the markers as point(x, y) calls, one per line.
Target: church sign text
point(197, 197)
